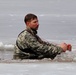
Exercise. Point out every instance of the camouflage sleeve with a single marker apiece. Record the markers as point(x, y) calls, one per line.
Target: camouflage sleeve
point(44, 49)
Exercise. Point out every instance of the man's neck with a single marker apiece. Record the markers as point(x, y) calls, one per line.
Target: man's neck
point(33, 31)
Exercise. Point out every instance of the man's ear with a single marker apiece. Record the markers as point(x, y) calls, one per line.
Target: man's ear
point(27, 23)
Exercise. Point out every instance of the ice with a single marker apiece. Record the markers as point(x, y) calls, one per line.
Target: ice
point(57, 19)
point(49, 68)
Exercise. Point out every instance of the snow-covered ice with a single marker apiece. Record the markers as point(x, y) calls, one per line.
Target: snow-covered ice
point(49, 68)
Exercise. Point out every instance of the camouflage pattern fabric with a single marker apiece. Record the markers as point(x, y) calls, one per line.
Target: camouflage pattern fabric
point(30, 46)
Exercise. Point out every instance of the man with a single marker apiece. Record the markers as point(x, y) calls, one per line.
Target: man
point(30, 46)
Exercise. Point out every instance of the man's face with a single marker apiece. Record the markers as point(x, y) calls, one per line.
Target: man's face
point(34, 24)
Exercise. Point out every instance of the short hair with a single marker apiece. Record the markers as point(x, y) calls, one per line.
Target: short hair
point(29, 17)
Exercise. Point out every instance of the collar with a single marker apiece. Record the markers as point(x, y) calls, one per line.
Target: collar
point(32, 31)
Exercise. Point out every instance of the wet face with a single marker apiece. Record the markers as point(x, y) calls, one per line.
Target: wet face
point(34, 24)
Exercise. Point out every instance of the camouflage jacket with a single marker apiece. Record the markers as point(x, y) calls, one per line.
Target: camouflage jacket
point(30, 46)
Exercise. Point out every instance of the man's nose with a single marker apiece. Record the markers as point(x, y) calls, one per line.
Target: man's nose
point(37, 23)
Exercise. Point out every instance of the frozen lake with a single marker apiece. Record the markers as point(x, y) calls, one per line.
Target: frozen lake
point(50, 68)
point(57, 19)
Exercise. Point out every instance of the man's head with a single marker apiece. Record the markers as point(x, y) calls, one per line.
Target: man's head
point(31, 21)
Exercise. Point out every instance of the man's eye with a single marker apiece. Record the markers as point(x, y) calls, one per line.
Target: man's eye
point(35, 22)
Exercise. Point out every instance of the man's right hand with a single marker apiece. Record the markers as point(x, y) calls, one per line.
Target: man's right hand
point(65, 47)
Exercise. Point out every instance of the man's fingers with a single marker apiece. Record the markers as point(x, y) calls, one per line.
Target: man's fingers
point(69, 47)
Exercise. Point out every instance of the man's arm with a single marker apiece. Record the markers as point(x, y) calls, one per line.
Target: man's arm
point(43, 49)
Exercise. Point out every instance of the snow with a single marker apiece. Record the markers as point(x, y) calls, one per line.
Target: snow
point(38, 68)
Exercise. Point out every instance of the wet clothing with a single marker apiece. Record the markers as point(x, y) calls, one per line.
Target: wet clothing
point(30, 46)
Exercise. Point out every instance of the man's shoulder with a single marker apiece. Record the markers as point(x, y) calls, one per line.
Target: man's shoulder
point(24, 33)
